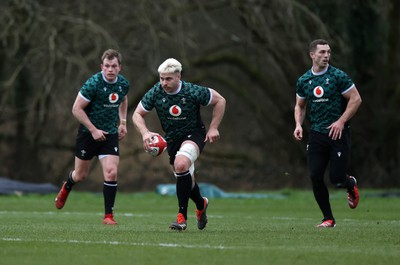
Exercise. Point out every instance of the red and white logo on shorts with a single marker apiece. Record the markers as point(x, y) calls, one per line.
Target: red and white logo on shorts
point(175, 110)
point(318, 91)
point(113, 97)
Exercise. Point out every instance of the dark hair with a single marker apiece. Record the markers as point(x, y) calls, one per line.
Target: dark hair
point(111, 54)
point(314, 43)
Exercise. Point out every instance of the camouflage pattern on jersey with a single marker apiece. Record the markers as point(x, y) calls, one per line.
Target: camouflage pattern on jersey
point(105, 99)
point(324, 96)
point(178, 113)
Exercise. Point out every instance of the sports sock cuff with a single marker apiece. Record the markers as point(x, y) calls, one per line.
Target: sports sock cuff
point(110, 183)
point(70, 182)
point(70, 179)
point(182, 174)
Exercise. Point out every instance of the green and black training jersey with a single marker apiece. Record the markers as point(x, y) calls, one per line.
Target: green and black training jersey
point(179, 113)
point(324, 94)
point(105, 99)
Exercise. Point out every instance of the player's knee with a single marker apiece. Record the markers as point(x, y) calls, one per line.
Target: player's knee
point(185, 158)
point(181, 164)
point(110, 174)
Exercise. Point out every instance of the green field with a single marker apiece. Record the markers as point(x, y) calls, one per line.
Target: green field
point(240, 231)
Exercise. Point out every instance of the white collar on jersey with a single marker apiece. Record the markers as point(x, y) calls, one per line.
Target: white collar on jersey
point(320, 73)
point(105, 80)
point(177, 91)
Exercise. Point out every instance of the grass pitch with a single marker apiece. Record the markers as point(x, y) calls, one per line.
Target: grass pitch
point(240, 231)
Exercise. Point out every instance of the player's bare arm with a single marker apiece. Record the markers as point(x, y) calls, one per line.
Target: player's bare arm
point(78, 110)
point(353, 103)
point(140, 125)
point(299, 116)
point(123, 109)
point(218, 102)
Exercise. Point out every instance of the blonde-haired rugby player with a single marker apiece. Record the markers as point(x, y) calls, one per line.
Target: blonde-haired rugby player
point(178, 108)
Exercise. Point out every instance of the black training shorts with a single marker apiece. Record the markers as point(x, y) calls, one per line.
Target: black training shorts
point(198, 136)
point(86, 147)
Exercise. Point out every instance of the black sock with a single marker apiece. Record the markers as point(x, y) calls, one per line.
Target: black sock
point(195, 195)
point(109, 192)
point(70, 182)
point(350, 183)
point(183, 189)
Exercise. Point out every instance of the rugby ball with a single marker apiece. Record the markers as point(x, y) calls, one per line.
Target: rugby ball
point(157, 145)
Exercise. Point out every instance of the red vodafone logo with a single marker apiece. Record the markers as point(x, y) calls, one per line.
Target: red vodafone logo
point(113, 97)
point(318, 91)
point(175, 110)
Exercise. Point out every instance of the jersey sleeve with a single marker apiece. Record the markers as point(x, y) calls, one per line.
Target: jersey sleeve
point(202, 94)
point(88, 90)
point(300, 89)
point(147, 101)
point(344, 81)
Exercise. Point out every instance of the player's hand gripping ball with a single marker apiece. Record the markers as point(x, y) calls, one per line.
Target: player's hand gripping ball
point(157, 145)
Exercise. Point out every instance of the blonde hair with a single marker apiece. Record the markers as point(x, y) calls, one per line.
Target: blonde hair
point(170, 65)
